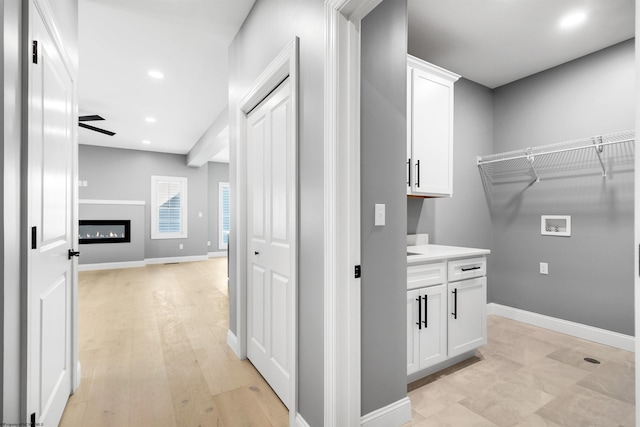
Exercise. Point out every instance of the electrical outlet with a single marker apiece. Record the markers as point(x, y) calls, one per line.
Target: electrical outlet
point(208, 243)
point(544, 268)
point(181, 246)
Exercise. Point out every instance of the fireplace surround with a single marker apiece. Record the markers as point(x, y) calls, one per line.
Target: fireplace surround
point(104, 231)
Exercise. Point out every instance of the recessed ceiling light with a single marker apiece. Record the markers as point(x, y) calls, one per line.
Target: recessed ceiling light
point(146, 141)
point(572, 20)
point(156, 74)
point(150, 119)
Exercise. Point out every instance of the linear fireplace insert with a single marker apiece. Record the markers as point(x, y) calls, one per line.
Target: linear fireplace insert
point(104, 231)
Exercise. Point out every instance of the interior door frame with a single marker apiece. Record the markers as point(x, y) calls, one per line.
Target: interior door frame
point(342, 290)
point(285, 65)
point(43, 8)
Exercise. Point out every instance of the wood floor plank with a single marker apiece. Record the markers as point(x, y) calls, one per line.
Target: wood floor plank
point(152, 343)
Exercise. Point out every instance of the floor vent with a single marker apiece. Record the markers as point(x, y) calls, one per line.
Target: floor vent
point(590, 360)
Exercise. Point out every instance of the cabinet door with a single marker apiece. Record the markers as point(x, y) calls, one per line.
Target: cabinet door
point(467, 315)
point(433, 334)
point(431, 134)
point(413, 333)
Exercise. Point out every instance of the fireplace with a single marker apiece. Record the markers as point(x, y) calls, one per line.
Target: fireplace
point(104, 231)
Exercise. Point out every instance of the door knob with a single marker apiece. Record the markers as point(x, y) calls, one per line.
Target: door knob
point(256, 253)
point(73, 253)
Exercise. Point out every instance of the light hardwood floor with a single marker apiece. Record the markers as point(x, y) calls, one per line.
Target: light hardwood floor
point(153, 350)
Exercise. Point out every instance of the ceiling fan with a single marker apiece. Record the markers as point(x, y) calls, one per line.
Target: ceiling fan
point(92, 118)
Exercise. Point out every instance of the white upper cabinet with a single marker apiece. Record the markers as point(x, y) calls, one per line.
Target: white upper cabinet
point(429, 129)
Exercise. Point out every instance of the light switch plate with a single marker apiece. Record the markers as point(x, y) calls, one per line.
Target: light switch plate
point(380, 216)
point(544, 268)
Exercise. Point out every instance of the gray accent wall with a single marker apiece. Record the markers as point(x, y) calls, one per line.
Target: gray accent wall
point(383, 251)
point(269, 28)
point(464, 219)
point(218, 172)
point(117, 174)
point(590, 277)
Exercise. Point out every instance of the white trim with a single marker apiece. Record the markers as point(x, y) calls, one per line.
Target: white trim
point(221, 232)
point(232, 341)
point(283, 66)
point(111, 202)
point(155, 207)
point(218, 254)
point(342, 377)
point(301, 422)
point(174, 259)
point(601, 336)
point(395, 414)
point(111, 265)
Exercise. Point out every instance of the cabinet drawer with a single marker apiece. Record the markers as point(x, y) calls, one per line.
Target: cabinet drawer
point(467, 268)
point(422, 275)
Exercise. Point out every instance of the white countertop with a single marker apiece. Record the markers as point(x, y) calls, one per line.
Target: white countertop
point(440, 252)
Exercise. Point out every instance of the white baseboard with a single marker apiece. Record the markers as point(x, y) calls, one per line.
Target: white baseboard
point(110, 265)
point(219, 254)
point(232, 342)
point(134, 264)
point(391, 415)
point(173, 259)
point(300, 422)
point(601, 336)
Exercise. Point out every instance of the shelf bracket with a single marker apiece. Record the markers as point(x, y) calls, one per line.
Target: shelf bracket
point(531, 158)
point(597, 141)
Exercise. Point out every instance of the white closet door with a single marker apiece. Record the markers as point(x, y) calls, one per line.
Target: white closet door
point(271, 178)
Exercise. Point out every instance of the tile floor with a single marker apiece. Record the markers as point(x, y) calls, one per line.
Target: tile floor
point(530, 376)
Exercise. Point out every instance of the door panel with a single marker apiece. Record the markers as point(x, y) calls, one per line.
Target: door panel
point(271, 179)
point(50, 273)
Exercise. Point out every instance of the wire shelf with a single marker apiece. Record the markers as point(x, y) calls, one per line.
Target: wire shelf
point(603, 152)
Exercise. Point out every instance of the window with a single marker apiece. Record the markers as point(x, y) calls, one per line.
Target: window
point(223, 215)
point(168, 207)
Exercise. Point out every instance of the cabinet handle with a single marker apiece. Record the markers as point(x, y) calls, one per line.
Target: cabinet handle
point(419, 314)
point(418, 173)
point(455, 303)
point(409, 172)
point(426, 311)
point(471, 268)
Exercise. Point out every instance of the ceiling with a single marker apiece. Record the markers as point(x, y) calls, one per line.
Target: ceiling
point(492, 42)
point(187, 40)
point(495, 42)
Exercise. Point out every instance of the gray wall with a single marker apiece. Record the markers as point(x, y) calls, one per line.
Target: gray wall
point(218, 172)
point(270, 26)
point(383, 148)
point(117, 174)
point(464, 219)
point(95, 253)
point(590, 277)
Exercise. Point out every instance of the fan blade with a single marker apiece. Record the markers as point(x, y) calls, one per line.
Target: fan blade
point(86, 126)
point(90, 118)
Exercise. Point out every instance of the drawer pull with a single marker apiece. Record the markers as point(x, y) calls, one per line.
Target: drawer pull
point(477, 267)
point(426, 311)
point(419, 323)
point(455, 303)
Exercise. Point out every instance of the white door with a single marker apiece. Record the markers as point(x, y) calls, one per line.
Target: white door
point(433, 336)
point(50, 273)
point(431, 134)
point(414, 326)
point(271, 233)
point(467, 315)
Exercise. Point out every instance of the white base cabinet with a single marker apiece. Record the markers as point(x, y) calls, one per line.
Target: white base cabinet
point(468, 315)
point(445, 319)
point(426, 327)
